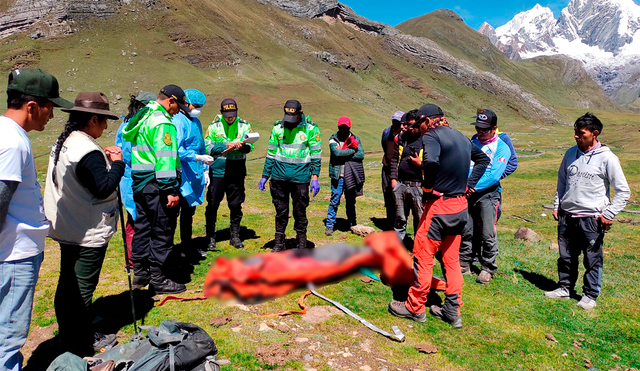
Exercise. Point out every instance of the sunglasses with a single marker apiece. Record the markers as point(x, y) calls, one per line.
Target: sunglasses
point(483, 130)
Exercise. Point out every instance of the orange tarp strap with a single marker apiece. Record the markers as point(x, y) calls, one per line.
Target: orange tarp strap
point(300, 303)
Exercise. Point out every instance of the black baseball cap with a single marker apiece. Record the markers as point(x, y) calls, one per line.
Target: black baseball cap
point(428, 110)
point(486, 118)
point(38, 83)
point(229, 108)
point(292, 111)
point(176, 92)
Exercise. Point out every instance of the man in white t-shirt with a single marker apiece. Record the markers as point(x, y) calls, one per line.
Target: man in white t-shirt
point(31, 96)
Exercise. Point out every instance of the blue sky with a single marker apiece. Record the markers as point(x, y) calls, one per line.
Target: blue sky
point(474, 12)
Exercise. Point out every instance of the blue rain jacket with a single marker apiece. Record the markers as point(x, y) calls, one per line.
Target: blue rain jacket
point(126, 183)
point(190, 144)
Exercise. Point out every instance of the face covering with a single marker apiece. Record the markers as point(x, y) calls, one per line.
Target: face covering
point(195, 112)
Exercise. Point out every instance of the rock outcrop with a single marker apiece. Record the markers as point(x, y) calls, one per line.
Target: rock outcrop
point(333, 9)
point(53, 17)
point(425, 53)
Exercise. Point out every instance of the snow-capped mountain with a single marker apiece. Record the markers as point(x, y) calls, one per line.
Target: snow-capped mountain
point(603, 34)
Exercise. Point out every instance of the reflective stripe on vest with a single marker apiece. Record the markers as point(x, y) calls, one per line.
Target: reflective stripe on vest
point(166, 174)
point(143, 167)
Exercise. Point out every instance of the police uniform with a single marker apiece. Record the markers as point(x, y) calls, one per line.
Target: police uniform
point(293, 156)
point(154, 171)
point(227, 171)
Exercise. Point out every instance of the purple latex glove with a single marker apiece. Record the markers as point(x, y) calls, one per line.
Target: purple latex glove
point(315, 187)
point(261, 184)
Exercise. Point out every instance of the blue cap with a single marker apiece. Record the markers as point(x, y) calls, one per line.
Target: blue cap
point(397, 116)
point(193, 96)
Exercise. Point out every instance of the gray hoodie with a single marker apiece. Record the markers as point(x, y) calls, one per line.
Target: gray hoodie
point(584, 180)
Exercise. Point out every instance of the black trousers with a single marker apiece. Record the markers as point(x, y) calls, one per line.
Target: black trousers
point(389, 198)
point(299, 193)
point(186, 220)
point(233, 187)
point(154, 228)
point(576, 236)
point(479, 237)
point(79, 275)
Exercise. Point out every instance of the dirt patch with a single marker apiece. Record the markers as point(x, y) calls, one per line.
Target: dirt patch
point(320, 314)
point(219, 321)
point(37, 336)
point(426, 348)
point(277, 354)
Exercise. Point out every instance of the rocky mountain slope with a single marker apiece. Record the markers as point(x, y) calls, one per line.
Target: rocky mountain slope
point(318, 51)
point(603, 34)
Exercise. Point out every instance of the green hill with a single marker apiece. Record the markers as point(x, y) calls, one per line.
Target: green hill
point(559, 81)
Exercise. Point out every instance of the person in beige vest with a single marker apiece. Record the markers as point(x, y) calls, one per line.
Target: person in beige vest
point(81, 205)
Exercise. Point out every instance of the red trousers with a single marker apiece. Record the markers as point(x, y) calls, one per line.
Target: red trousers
point(441, 227)
point(129, 234)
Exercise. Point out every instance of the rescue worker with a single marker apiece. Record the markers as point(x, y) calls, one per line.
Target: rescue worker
point(228, 170)
point(294, 158)
point(445, 165)
point(136, 103)
point(156, 188)
point(194, 162)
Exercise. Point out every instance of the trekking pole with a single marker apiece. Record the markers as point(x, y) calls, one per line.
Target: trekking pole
point(136, 335)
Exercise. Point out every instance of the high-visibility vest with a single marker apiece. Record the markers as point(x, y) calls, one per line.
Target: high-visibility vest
point(154, 147)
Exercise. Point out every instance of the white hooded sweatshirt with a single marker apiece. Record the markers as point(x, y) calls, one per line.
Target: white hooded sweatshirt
point(584, 180)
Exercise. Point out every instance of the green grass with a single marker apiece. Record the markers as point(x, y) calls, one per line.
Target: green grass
point(505, 322)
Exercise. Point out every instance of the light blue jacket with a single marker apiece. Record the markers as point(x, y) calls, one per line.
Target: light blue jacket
point(499, 153)
point(190, 144)
point(126, 182)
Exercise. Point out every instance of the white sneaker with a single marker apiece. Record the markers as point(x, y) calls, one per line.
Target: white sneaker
point(586, 303)
point(559, 293)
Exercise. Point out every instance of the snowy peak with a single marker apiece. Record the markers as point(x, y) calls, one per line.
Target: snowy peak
point(603, 34)
point(488, 30)
point(607, 24)
point(533, 23)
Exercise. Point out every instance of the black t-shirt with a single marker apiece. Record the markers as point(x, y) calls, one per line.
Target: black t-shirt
point(446, 160)
point(401, 168)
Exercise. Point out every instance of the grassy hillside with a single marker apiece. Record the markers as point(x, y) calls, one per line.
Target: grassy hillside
point(261, 56)
point(558, 81)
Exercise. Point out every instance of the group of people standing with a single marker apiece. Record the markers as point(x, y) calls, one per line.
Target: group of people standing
point(164, 165)
point(452, 187)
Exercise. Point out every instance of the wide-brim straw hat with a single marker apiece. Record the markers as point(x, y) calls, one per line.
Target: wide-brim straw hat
point(92, 102)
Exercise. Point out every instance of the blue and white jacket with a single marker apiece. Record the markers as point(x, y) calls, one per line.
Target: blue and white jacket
point(499, 153)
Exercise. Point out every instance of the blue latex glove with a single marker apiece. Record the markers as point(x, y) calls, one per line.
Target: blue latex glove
point(261, 184)
point(315, 187)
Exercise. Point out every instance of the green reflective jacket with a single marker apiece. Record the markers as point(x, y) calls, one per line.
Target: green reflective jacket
point(154, 148)
point(220, 132)
point(294, 155)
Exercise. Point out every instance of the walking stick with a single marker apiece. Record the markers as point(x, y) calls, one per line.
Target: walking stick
point(136, 335)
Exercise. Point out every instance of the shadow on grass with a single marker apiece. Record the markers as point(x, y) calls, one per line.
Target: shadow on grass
point(113, 313)
point(538, 280)
point(342, 225)
point(245, 234)
point(289, 243)
point(380, 223)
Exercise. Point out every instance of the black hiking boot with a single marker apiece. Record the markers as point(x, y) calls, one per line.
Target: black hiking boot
point(141, 276)
point(279, 246)
point(454, 320)
point(301, 241)
point(235, 240)
point(399, 309)
point(162, 285)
